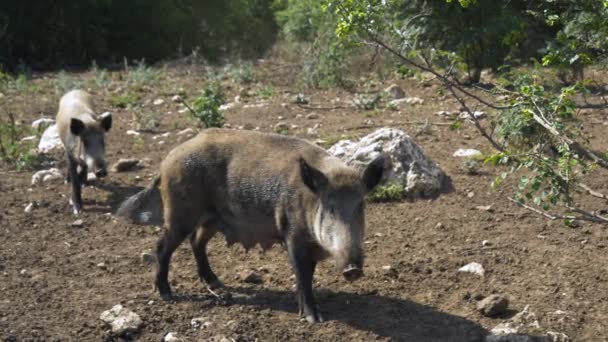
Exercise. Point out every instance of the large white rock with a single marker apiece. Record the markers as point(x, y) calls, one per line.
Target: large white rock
point(44, 176)
point(121, 320)
point(50, 140)
point(419, 175)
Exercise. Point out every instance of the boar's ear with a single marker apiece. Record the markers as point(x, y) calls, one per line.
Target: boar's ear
point(76, 126)
point(372, 175)
point(106, 121)
point(314, 179)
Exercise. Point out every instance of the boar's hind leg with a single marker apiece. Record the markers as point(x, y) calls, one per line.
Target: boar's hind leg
point(174, 235)
point(198, 241)
point(304, 268)
point(76, 185)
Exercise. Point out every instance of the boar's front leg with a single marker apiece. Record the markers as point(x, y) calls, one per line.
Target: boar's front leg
point(303, 265)
point(76, 185)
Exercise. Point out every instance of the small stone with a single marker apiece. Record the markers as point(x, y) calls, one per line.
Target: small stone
point(44, 176)
point(176, 98)
point(395, 92)
point(125, 164)
point(473, 267)
point(390, 271)
point(200, 323)
point(486, 243)
point(471, 194)
point(158, 102)
point(312, 116)
point(439, 225)
point(102, 266)
point(493, 305)
point(28, 209)
point(78, 223)
point(280, 117)
point(485, 208)
point(172, 337)
point(281, 126)
point(187, 131)
point(311, 131)
point(132, 132)
point(557, 336)
point(148, 258)
point(251, 276)
point(466, 152)
point(122, 320)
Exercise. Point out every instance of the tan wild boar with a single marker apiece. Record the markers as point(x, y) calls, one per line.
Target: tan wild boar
point(259, 188)
point(82, 133)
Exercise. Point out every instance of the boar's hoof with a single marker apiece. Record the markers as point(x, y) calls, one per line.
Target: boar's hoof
point(166, 296)
point(314, 318)
point(352, 273)
point(101, 173)
point(216, 284)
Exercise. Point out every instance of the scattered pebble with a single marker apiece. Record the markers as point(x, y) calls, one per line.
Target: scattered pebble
point(44, 176)
point(473, 267)
point(172, 337)
point(78, 223)
point(176, 98)
point(486, 243)
point(200, 323)
point(28, 209)
point(132, 132)
point(466, 152)
point(485, 208)
point(312, 116)
point(251, 276)
point(158, 102)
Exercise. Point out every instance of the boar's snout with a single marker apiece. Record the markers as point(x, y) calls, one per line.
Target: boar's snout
point(101, 173)
point(352, 272)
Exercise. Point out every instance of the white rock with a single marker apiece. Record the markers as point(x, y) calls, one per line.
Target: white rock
point(132, 132)
point(176, 98)
point(172, 337)
point(444, 114)
point(183, 110)
point(227, 106)
point(466, 152)
point(46, 176)
point(158, 102)
point(509, 331)
point(186, 131)
point(485, 243)
point(164, 135)
point(311, 131)
point(121, 320)
point(50, 140)
point(29, 138)
point(28, 209)
point(557, 336)
point(410, 166)
point(406, 100)
point(42, 123)
point(200, 323)
point(477, 114)
point(473, 267)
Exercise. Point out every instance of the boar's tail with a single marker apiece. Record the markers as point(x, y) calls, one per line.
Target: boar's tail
point(145, 207)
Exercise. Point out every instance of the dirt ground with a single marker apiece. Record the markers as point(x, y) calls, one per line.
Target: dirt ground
point(56, 279)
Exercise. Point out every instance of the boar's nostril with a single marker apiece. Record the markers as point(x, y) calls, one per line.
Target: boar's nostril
point(352, 273)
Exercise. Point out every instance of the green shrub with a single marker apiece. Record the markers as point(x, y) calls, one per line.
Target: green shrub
point(387, 193)
point(206, 107)
point(13, 151)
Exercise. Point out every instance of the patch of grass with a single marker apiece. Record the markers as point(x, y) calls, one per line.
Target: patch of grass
point(13, 84)
point(102, 79)
point(456, 125)
point(13, 151)
point(146, 120)
point(240, 72)
point(387, 193)
point(266, 91)
point(64, 83)
point(141, 74)
point(125, 100)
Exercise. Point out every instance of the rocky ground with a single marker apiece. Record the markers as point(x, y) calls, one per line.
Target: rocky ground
point(59, 276)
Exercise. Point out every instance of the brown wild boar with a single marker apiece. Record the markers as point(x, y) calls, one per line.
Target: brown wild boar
point(83, 136)
point(259, 188)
